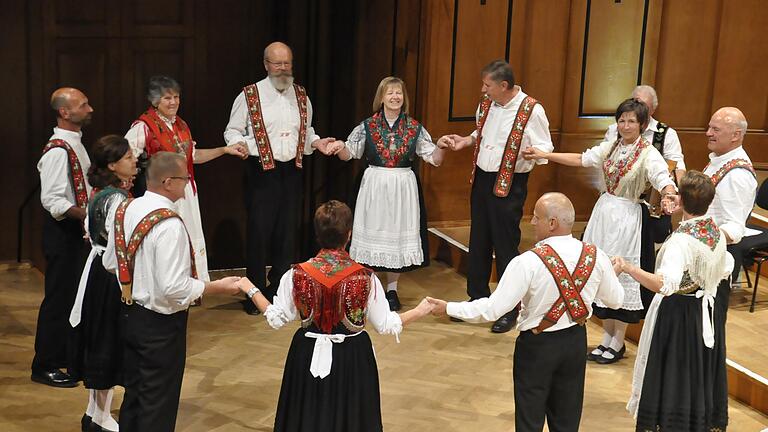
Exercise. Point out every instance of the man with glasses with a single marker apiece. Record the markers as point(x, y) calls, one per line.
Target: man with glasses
point(273, 119)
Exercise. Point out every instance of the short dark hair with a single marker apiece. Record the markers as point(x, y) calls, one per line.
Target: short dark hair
point(333, 223)
point(158, 86)
point(499, 70)
point(106, 150)
point(696, 192)
point(636, 106)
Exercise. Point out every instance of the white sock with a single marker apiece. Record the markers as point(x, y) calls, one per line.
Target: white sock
point(620, 330)
point(91, 403)
point(392, 279)
point(103, 405)
point(607, 336)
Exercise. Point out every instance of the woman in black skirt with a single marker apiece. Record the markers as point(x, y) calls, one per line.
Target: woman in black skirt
point(96, 351)
point(679, 382)
point(331, 381)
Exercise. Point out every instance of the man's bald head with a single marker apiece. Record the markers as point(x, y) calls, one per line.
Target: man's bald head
point(734, 117)
point(277, 50)
point(64, 97)
point(726, 130)
point(163, 165)
point(553, 215)
point(72, 108)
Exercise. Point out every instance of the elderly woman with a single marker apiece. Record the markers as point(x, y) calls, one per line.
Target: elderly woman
point(390, 231)
point(160, 129)
point(679, 382)
point(96, 349)
point(627, 164)
point(331, 381)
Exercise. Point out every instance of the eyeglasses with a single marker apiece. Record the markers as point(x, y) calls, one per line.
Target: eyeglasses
point(279, 64)
point(186, 178)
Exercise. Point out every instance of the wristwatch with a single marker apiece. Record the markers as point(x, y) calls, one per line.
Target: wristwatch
point(252, 292)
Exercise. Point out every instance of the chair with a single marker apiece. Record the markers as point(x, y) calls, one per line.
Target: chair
point(755, 248)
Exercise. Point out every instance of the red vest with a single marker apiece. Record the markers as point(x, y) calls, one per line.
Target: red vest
point(178, 139)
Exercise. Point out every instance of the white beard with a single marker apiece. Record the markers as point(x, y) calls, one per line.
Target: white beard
point(281, 83)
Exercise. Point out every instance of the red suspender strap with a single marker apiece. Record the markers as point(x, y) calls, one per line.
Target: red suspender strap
point(301, 100)
point(126, 251)
point(729, 166)
point(76, 171)
point(569, 285)
point(512, 150)
point(482, 116)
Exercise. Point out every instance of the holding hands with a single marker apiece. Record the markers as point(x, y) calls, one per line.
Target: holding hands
point(670, 203)
point(327, 146)
point(454, 142)
point(438, 306)
point(532, 153)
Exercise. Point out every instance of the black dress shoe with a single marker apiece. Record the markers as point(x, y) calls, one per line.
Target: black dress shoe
point(249, 307)
point(54, 378)
point(506, 322)
point(454, 319)
point(96, 428)
point(617, 355)
point(85, 423)
point(593, 357)
point(394, 301)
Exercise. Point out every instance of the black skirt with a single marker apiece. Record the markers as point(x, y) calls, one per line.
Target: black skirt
point(684, 388)
point(95, 348)
point(347, 400)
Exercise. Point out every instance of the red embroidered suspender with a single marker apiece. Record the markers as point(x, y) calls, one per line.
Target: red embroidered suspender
point(76, 171)
point(514, 140)
point(260, 129)
point(732, 164)
point(569, 285)
point(126, 253)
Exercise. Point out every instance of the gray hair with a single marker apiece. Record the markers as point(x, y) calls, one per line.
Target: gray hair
point(158, 86)
point(499, 70)
point(649, 91)
point(163, 165)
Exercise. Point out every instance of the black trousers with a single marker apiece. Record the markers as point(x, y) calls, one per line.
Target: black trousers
point(549, 379)
point(155, 351)
point(273, 202)
point(65, 254)
point(495, 227)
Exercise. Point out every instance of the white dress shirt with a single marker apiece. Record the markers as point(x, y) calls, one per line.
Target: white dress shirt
point(496, 130)
point(672, 150)
point(734, 196)
point(527, 279)
point(283, 309)
point(56, 192)
point(162, 280)
point(280, 113)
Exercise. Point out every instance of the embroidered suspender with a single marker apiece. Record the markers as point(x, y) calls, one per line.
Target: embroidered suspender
point(260, 129)
point(76, 171)
point(126, 253)
point(732, 164)
point(659, 136)
point(512, 149)
point(569, 285)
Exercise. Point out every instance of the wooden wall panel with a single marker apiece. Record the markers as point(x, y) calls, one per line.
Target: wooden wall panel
point(87, 18)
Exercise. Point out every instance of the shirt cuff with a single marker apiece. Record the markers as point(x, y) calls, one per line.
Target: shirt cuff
point(275, 316)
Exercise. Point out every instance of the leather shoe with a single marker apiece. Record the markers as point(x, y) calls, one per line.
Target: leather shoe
point(454, 319)
point(593, 357)
point(85, 423)
point(394, 301)
point(96, 428)
point(505, 323)
point(617, 355)
point(249, 307)
point(53, 378)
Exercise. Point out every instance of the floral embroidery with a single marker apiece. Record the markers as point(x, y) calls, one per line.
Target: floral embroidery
point(512, 150)
point(728, 166)
point(615, 170)
point(399, 141)
point(331, 261)
point(76, 171)
point(704, 230)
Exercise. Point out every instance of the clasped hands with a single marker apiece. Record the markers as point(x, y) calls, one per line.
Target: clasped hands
point(328, 146)
point(453, 142)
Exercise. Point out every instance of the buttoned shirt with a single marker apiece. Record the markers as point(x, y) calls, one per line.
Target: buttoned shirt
point(496, 130)
point(162, 280)
point(672, 149)
point(56, 191)
point(734, 195)
point(280, 112)
point(526, 280)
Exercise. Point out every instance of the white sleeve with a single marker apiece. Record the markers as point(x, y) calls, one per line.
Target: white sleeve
point(425, 147)
point(237, 129)
point(736, 191)
point(536, 133)
point(610, 291)
point(311, 135)
point(656, 170)
point(137, 137)
point(672, 266)
point(356, 141)
point(593, 157)
point(379, 315)
point(611, 134)
point(54, 182)
point(171, 251)
point(283, 309)
point(673, 150)
point(512, 287)
point(109, 257)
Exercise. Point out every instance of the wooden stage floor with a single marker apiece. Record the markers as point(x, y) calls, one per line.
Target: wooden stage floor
point(442, 376)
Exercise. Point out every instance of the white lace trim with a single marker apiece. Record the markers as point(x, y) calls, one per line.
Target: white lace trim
point(632, 300)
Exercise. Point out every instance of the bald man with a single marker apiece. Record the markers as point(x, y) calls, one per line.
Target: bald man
point(64, 192)
point(273, 119)
point(551, 349)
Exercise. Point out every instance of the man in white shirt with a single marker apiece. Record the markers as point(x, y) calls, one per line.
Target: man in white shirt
point(499, 176)
point(158, 291)
point(550, 352)
point(64, 192)
point(273, 119)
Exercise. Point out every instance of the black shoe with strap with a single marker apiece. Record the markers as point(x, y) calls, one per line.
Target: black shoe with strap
point(617, 355)
point(591, 356)
point(394, 301)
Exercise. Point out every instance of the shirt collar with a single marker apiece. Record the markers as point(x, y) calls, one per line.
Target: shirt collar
point(714, 159)
point(653, 125)
point(514, 101)
point(152, 196)
point(556, 239)
point(64, 133)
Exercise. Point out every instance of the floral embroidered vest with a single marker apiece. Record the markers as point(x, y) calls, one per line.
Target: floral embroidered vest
point(177, 139)
point(75, 171)
point(260, 129)
point(331, 289)
point(391, 147)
